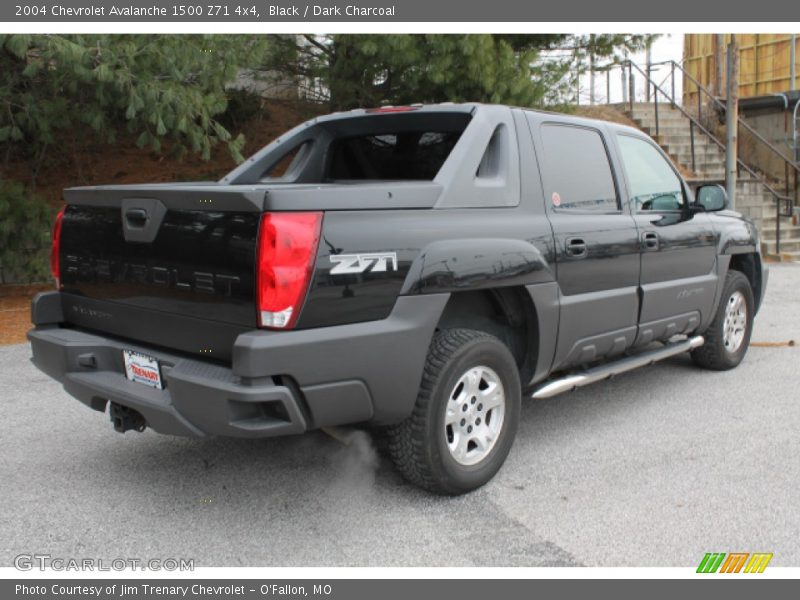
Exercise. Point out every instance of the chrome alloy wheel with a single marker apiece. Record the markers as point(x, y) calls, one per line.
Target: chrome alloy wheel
point(474, 418)
point(735, 324)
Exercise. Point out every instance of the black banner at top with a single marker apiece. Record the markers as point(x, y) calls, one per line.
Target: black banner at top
point(388, 11)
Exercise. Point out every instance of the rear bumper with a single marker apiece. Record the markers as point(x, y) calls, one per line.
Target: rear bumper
point(199, 398)
point(280, 383)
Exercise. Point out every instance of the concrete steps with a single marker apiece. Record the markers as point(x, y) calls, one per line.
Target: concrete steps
point(752, 199)
point(789, 232)
point(790, 250)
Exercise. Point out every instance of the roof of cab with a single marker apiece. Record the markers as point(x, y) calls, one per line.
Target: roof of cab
point(471, 107)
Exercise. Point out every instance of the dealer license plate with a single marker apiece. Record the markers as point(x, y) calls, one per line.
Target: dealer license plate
point(142, 369)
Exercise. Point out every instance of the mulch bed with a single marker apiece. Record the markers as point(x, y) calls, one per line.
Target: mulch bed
point(15, 311)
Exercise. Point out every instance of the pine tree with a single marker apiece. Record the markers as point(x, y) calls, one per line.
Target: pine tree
point(158, 88)
point(349, 70)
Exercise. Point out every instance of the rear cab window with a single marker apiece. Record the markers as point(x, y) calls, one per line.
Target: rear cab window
point(416, 155)
point(372, 148)
point(577, 171)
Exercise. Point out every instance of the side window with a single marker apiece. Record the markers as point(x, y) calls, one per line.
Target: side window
point(577, 172)
point(654, 184)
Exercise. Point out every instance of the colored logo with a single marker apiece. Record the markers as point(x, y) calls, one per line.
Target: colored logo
point(734, 562)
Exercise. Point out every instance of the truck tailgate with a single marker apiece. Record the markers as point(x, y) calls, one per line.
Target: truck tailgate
point(172, 266)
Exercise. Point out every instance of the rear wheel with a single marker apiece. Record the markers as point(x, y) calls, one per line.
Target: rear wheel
point(465, 417)
point(728, 336)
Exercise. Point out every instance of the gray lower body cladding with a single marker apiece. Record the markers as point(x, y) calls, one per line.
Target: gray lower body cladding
point(279, 383)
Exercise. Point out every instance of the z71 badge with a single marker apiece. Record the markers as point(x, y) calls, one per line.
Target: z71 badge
point(377, 262)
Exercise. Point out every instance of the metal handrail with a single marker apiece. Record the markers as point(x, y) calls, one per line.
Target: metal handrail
point(742, 122)
point(705, 131)
point(790, 164)
point(796, 131)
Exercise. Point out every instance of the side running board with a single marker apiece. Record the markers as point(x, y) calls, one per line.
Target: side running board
point(576, 380)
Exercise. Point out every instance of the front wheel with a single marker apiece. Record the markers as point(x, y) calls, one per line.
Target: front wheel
point(465, 417)
point(728, 336)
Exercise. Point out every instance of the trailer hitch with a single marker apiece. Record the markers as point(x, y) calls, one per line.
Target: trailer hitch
point(125, 419)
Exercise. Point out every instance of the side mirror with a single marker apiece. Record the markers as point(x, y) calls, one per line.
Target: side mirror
point(711, 197)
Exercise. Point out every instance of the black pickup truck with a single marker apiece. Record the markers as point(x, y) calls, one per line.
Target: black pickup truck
point(418, 269)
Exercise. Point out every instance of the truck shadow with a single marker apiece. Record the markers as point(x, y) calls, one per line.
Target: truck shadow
point(309, 463)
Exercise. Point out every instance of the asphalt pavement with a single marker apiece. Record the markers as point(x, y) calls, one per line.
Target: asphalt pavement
point(654, 468)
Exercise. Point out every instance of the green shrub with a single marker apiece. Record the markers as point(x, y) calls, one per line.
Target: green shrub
point(25, 225)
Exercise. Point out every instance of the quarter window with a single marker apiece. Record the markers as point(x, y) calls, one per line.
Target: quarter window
point(654, 184)
point(577, 171)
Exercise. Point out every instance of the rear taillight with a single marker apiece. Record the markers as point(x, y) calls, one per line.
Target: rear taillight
point(55, 267)
point(287, 246)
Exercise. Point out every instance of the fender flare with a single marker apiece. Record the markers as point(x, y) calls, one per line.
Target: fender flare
point(476, 264)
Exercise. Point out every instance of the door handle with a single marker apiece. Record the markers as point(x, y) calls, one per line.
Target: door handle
point(650, 240)
point(576, 247)
point(136, 217)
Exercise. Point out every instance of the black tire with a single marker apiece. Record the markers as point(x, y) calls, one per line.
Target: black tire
point(714, 354)
point(419, 445)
